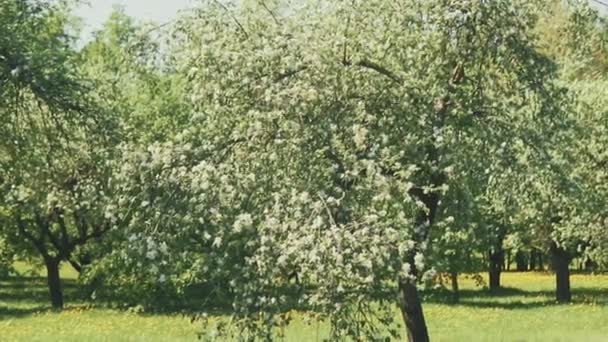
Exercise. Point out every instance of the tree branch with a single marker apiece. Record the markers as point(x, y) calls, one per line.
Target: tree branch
point(367, 64)
point(38, 243)
point(289, 73)
point(46, 230)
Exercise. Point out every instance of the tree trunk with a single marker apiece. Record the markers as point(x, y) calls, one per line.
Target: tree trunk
point(589, 264)
point(411, 309)
point(496, 262)
point(455, 290)
point(54, 283)
point(561, 262)
point(410, 303)
point(509, 260)
point(532, 260)
point(521, 262)
point(541, 266)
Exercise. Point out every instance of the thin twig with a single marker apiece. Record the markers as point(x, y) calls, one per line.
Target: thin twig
point(232, 16)
point(331, 217)
point(263, 3)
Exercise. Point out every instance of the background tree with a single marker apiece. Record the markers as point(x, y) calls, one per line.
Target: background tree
point(55, 159)
point(136, 79)
point(581, 56)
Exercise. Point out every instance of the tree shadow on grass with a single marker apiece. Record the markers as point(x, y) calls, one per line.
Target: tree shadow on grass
point(15, 312)
point(34, 289)
point(514, 299)
point(24, 296)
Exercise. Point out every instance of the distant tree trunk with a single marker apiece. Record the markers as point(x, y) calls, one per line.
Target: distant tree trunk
point(455, 290)
point(509, 261)
point(561, 262)
point(411, 310)
point(541, 266)
point(54, 282)
point(521, 262)
point(496, 261)
point(533, 257)
point(589, 264)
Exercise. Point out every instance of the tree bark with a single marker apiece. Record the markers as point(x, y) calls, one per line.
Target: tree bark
point(410, 303)
point(496, 261)
point(561, 263)
point(411, 310)
point(54, 283)
point(455, 290)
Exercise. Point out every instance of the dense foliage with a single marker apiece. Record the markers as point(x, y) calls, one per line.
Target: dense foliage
point(325, 156)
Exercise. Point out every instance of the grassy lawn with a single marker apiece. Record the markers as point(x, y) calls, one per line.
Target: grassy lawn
point(524, 311)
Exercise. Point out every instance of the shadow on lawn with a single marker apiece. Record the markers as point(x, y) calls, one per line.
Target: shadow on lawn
point(12, 312)
point(24, 296)
point(513, 298)
point(21, 296)
point(34, 289)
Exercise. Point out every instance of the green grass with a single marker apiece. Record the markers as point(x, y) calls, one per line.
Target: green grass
point(524, 311)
